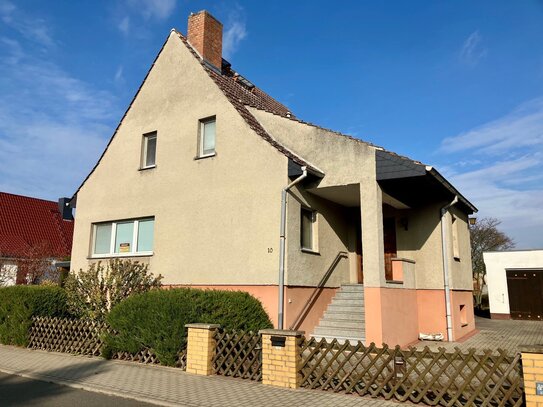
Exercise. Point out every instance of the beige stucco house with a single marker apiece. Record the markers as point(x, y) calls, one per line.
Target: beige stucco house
point(217, 185)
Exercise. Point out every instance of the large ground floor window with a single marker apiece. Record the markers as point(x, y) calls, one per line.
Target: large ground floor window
point(123, 238)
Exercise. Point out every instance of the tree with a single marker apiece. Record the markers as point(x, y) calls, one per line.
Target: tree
point(36, 265)
point(485, 236)
point(93, 292)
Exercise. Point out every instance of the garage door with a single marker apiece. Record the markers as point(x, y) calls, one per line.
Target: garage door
point(525, 289)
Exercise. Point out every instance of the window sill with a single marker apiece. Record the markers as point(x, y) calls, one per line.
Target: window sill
point(119, 255)
point(398, 282)
point(201, 157)
point(147, 168)
point(310, 251)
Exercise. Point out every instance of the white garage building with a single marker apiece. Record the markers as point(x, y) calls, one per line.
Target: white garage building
point(515, 284)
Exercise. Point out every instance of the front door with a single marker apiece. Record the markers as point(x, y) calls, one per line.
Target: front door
point(525, 288)
point(389, 234)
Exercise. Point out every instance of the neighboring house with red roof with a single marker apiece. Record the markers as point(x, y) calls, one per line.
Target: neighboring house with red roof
point(215, 184)
point(31, 229)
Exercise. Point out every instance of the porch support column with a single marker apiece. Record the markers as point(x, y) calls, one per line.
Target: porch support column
point(373, 255)
point(373, 248)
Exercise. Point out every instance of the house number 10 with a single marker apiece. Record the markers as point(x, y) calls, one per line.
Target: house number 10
point(270, 249)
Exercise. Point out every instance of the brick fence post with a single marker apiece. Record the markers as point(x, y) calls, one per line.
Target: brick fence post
point(281, 358)
point(201, 348)
point(532, 370)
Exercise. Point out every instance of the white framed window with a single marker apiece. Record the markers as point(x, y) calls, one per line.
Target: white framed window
point(148, 151)
point(207, 136)
point(123, 238)
point(308, 229)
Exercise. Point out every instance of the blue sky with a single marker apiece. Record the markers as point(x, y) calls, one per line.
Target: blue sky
point(457, 84)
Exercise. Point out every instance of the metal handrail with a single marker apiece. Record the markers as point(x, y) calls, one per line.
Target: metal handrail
point(318, 290)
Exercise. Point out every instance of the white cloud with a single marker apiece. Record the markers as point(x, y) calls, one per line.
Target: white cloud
point(124, 25)
point(131, 13)
point(499, 167)
point(153, 9)
point(119, 78)
point(53, 126)
point(6, 10)
point(472, 50)
point(232, 38)
point(34, 29)
point(521, 128)
point(234, 31)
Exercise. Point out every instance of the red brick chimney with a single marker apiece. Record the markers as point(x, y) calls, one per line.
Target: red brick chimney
point(205, 34)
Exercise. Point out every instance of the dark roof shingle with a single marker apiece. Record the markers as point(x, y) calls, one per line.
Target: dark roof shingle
point(240, 97)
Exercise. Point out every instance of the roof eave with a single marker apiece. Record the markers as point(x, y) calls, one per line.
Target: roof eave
point(432, 171)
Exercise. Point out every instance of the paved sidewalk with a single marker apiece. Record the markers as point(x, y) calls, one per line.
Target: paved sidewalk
point(494, 334)
point(162, 385)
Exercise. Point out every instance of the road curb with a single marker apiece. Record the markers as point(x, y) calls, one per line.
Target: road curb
point(95, 389)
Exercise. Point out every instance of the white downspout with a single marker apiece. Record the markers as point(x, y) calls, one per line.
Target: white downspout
point(282, 246)
point(446, 284)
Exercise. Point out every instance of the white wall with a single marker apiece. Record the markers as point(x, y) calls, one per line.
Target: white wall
point(496, 264)
point(8, 274)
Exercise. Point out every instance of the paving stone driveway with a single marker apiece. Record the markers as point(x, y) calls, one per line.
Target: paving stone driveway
point(162, 385)
point(494, 334)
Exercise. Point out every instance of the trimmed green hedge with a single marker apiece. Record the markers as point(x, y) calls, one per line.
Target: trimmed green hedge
point(157, 319)
point(18, 304)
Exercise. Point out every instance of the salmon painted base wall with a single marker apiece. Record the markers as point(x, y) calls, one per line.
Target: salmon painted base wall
point(304, 306)
point(500, 316)
point(391, 315)
point(396, 316)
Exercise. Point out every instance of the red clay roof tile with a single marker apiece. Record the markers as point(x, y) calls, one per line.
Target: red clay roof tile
point(29, 222)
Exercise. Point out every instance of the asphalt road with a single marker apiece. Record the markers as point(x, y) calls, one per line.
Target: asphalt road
point(20, 391)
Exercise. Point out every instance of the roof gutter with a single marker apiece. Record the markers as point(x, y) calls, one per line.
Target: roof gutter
point(282, 238)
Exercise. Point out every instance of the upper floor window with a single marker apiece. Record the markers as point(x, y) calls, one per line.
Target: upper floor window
point(148, 157)
point(308, 229)
point(123, 238)
point(207, 137)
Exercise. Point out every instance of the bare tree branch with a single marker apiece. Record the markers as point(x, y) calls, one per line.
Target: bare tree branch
point(485, 236)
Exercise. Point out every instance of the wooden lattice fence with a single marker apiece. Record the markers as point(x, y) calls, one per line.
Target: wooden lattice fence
point(490, 378)
point(76, 336)
point(83, 337)
point(147, 356)
point(238, 354)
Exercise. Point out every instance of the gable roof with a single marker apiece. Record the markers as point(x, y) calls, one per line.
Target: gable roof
point(241, 95)
point(27, 223)
point(390, 165)
point(237, 94)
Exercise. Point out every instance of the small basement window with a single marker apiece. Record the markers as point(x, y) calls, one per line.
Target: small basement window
point(123, 238)
point(308, 229)
point(148, 156)
point(463, 315)
point(206, 141)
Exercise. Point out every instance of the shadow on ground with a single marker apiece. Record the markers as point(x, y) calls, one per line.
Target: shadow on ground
point(20, 391)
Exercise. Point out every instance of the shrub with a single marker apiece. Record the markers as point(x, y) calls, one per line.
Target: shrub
point(157, 319)
point(18, 304)
point(93, 292)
